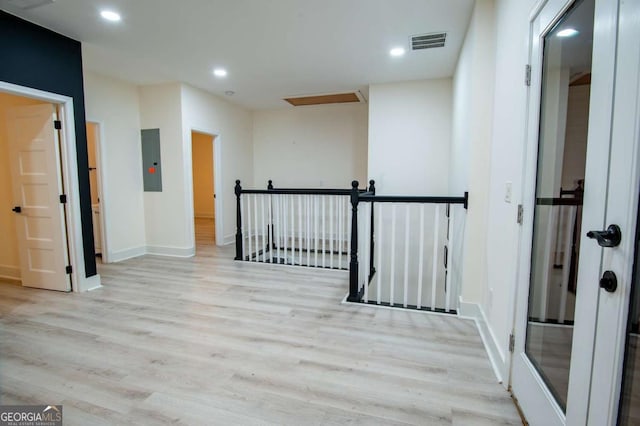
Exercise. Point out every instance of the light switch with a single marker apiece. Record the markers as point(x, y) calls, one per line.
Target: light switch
point(507, 192)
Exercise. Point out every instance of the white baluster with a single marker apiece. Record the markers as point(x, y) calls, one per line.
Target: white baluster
point(548, 258)
point(270, 226)
point(340, 208)
point(308, 211)
point(300, 229)
point(331, 213)
point(264, 235)
point(255, 222)
point(434, 263)
point(243, 228)
point(293, 229)
point(324, 233)
point(449, 290)
point(421, 257)
point(566, 261)
point(315, 230)
point(406, 255)
point(248, 221)
point(392, 279)
point(284, 199)
point(365, 252)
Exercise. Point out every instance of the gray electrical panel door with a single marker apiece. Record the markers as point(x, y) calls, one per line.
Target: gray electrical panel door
point(151, 164)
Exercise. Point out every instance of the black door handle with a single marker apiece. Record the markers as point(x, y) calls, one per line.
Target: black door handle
point(609, 238)
point(609, 281)
point(17, 209)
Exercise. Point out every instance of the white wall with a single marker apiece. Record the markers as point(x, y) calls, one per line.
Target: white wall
point(507, 149)
point(232, 124)
point(115, 105)
point(166, 220)
point(471, 144)
point(410, 137)
point(311, 146)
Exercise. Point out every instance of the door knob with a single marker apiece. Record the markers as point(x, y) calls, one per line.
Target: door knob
point(609, 238)
point(17, 209)
point(609, 281)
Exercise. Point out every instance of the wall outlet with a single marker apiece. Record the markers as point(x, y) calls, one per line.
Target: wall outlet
point(507, 192)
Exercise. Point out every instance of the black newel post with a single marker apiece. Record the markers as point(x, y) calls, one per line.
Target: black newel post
point(238, 191)
point(372, 269)
point(353, 265)
point(271, 245)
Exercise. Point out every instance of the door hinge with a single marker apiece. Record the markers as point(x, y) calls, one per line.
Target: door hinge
point(512, 342)
point(520, 214)
point(57, 124)
point(63, 199)
point(69, 269)
point(527, 75)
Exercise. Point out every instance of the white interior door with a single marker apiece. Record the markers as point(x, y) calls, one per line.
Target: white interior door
point(37, 186)
point(567, 185)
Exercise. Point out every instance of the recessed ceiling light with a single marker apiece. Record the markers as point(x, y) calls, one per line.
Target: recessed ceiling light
point(568, 32)
point(229, 93)
point(220, 72)
point(397, 51)
point(110, 15)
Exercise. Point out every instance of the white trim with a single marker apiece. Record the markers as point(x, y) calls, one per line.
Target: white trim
point(102, 188)
point(10, 272)
point(130, 253)
point(475, 312)
point(228, 239)
point(171, 251)
point(93, 283)
point(70, 172)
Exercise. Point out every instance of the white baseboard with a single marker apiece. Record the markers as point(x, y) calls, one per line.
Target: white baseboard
point(130, 253)
point(171, 251)
point(475, 312)
point(92, 283)
point(229, 239)
point(10, 272)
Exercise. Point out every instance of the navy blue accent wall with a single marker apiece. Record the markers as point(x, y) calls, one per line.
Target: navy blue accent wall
point(35, 57)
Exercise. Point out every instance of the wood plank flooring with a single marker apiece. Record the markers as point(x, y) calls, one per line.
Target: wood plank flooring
point(212, 341)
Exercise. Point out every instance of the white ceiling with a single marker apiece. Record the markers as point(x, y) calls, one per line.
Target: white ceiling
point(271, 48)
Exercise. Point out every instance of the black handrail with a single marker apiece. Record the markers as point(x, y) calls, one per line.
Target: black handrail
point(299, 191)
point(415, 199)
point(559, 201)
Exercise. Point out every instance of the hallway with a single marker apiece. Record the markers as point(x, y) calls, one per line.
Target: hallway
point(208, 340)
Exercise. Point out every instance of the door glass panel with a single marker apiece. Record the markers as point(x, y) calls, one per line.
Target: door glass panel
point(630, 397)
point(562, 147)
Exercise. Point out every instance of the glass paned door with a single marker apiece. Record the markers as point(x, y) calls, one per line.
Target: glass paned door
point(562, 148)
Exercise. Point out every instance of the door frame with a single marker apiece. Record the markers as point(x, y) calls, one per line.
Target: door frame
point(102, 188)
point(217, 183)
point(80, 282)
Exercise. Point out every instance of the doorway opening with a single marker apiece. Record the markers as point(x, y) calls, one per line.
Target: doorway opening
point(204, 197)
point(95, 183)
point(33, 218)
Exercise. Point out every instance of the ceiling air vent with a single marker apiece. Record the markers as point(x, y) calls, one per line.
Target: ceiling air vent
point(29, 4)
point(428, 41)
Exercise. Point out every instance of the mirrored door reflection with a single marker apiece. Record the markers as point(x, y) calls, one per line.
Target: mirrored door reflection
point(562, 147)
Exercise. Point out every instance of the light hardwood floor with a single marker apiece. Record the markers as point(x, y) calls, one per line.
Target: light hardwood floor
point(209, 341)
